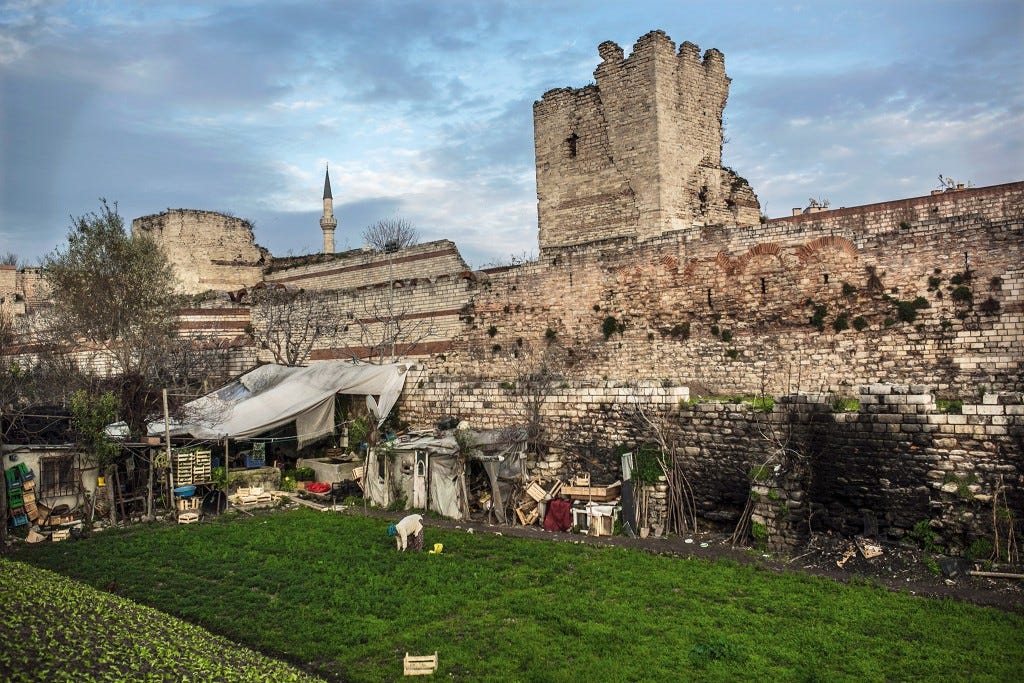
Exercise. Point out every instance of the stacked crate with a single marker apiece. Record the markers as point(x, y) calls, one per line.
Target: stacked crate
point(28, 494)
point(182, 463)
point(15, 478)
point(201, 470)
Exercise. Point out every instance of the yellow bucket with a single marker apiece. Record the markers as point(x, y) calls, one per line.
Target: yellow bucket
point(438, 547)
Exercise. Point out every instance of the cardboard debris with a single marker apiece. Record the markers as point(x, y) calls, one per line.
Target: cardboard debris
point(867, 548)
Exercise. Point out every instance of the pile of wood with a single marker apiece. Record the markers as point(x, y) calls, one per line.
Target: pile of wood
point(255, 496)
point(529, 511)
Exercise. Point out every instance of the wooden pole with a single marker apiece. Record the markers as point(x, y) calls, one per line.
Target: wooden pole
point(997, 575)
point(167, 445)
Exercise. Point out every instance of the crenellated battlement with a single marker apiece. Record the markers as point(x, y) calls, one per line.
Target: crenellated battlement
point(640, 152)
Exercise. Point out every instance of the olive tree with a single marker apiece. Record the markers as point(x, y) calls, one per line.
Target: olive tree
point(113, 298)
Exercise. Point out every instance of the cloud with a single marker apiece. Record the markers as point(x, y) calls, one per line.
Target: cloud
point(424, 108)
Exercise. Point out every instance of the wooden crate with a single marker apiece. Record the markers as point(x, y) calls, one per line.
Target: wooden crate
point(201, 467)
point(601, 494)
point(60, 535)
point(536, 491)
point(528, 513)
point(419, 665)
point(188, 518)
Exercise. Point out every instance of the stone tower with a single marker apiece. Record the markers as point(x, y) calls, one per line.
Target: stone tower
point(328, 222)
point(640, 152)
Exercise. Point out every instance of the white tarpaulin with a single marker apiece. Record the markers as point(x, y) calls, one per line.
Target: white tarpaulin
point(274, 395)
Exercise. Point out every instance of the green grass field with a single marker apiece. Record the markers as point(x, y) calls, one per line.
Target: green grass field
point(328, 592)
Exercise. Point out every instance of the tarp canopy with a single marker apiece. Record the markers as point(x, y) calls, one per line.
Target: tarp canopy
point(274, 395)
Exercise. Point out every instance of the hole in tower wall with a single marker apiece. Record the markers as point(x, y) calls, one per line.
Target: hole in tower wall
point(572, 141)
point(826, 278)
point(709, 297)
point(764, 286)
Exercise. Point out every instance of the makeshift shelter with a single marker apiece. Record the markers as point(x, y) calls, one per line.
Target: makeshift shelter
point(274, 395)
point(429, 471)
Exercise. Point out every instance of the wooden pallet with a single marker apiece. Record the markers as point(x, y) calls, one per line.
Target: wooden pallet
point(600, 494)
point(188, 518)
point(419, 665)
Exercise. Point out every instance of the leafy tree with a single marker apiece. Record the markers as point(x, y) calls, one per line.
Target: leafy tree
point(113, 295)
point(91, 413)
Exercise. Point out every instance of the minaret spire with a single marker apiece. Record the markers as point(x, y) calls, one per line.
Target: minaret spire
point(328, 222)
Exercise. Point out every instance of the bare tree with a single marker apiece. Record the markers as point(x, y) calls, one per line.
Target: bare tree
point(288, 323)
point(388, 329)
point(389, 235)
point(535, 372)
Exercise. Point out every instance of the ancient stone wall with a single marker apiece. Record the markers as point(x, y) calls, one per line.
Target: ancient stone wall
point(355, 269)
point(893, 462)
point(209, 250)
point(927, 290)
point(640, 152)
point(12, 301)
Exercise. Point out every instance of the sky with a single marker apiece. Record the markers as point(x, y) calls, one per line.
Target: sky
point(423, 110)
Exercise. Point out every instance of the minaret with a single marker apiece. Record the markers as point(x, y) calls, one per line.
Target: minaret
point(328, 222)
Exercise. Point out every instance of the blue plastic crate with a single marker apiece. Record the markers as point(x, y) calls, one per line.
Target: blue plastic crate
point(19, 520)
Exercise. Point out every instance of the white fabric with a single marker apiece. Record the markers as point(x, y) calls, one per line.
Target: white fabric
point(445, 487)
point(274, 395)
point(409, 526)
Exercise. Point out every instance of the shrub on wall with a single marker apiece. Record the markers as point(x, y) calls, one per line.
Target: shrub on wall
point(860, 323)
point(962, 294)
point(906, 311)
point(610, 326)
point(989, 306)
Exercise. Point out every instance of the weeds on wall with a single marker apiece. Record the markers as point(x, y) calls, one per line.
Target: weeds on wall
point(989, 306)
point(845, 405)
point(678, 331)
point(842, 322)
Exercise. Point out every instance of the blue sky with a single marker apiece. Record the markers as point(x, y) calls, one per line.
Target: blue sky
point(424, 109)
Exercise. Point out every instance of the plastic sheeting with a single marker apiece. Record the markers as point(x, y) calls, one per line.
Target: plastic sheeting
point(446, 483)
point(274, 395)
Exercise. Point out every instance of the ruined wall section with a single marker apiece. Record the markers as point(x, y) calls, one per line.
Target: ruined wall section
point(640, 152)
point(356, 269)
point(208, 250)
point(12, 300)
point(821, 303)
point(424, 315)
